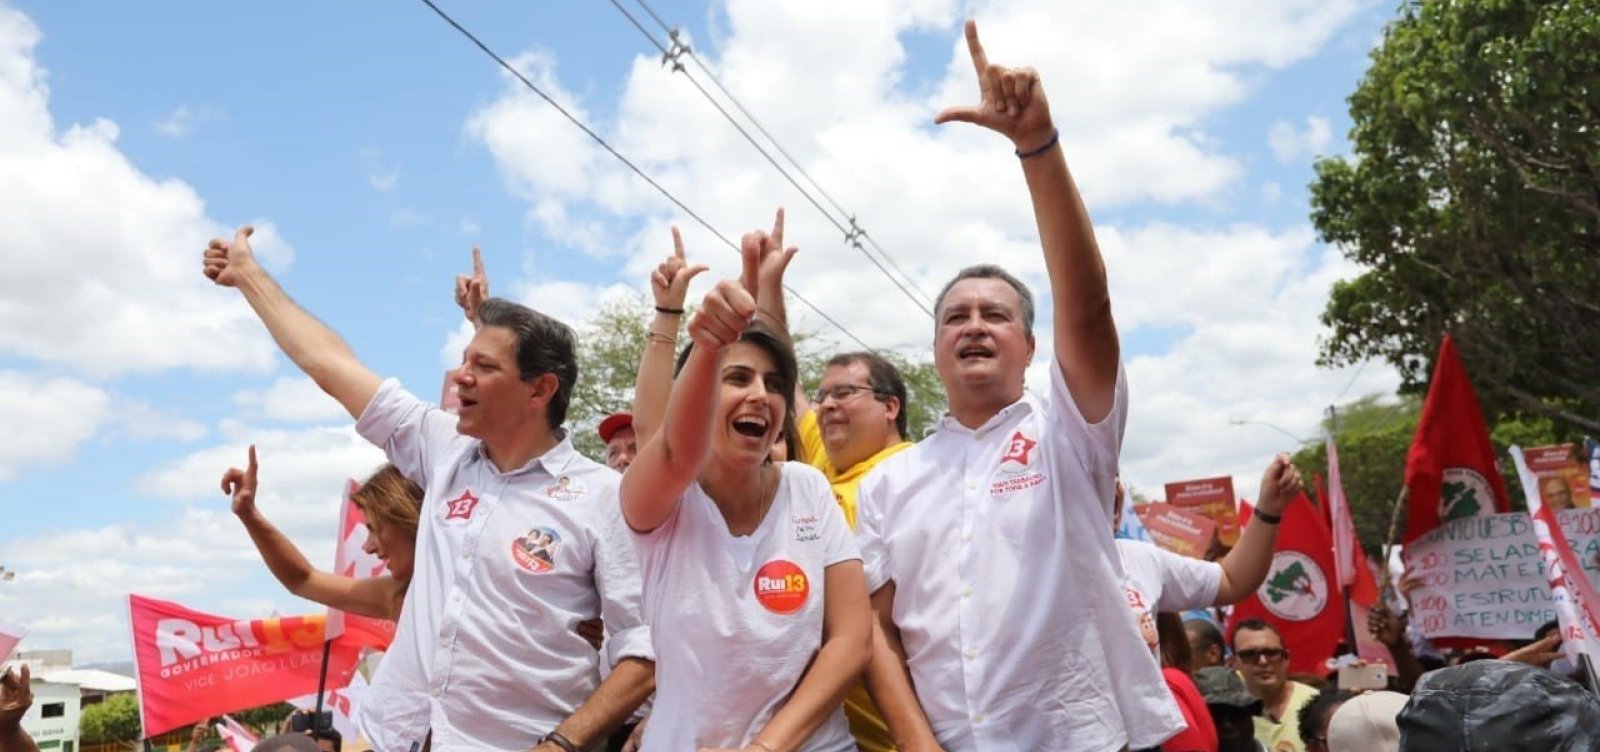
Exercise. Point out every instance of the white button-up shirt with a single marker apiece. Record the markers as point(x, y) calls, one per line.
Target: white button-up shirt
point(486, 654)
point(1008, 587)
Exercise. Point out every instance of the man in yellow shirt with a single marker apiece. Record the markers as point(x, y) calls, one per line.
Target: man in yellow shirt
point(855, 420)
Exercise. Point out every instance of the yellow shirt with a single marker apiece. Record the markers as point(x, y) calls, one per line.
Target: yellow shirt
point(866, 723)
point(1285, 736)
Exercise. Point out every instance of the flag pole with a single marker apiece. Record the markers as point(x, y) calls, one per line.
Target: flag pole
point(322, 684)
point(1389, 541)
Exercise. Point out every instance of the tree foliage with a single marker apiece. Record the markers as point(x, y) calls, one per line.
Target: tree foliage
point(1473, 199)
point(611, 343)
point(114, 720)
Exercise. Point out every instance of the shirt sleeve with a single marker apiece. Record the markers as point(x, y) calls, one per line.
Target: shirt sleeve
point(869, 530)
point(620, 582)
point(1186, 582)
point(841, 545)
point(413, 434)
point(1096, 445)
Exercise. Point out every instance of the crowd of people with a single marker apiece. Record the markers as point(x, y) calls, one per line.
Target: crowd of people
point(756, 568)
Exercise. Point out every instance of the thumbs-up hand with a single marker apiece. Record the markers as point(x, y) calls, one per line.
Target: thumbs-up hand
point(226, 263)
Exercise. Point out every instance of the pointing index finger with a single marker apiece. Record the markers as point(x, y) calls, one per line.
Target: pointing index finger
point(677, 242)
point(980, 61)
point(250, 470)
point(777, 230)
point(477, 262)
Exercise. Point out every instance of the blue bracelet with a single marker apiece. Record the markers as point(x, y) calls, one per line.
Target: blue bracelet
point(1055, 138)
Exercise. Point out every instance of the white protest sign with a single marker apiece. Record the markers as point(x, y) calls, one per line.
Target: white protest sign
point(1484, 576)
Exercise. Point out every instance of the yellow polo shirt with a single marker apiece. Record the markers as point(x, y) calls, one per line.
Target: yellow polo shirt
point(866, 723)
point(1284, 736)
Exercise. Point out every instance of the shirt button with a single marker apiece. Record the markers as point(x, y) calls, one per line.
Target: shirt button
point(972, 655)
point(972, 486)
point(966, 592)
point(977, 718)
point(966, 536)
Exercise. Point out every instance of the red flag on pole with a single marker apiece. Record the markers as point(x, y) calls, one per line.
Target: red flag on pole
point(1345, 543)
point(352, 560)
point(1299, 596)
point(191, 665)
point(1450, 470)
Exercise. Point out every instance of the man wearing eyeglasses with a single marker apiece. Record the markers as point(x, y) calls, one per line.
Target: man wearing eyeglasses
point(856, 419)
point(1263, 662)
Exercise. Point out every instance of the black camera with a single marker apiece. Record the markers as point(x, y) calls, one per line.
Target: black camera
point(306, 720)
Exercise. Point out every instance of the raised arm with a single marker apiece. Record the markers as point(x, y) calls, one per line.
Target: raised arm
point(377, 597)
point(315, 348)
point(471, 291)
point(1013, 104)
point(16, 696)
point(1244, 568)
point(669, 287)
point(673, 457)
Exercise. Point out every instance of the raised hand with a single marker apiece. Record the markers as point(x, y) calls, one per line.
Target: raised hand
point(225, 263)
point(1011, 100)
point(1280, 484)
point(472, 291)
point(242, 485)
point(669, 283)
point(16, 696)
point(723, 315)
point(1539, 653)
point(774, 259)
point(1388, 627)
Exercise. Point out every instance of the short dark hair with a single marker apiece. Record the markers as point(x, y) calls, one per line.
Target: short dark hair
point(883, 377)
point(332, 735)
point(777, 347)
point(543, 345)
point(991, 271)
point(1210, 636)
point(1254, 625)
point(1317, 712)
point(286, 743)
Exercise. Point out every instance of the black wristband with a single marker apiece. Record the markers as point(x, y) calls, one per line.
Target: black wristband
point(1055, 138)
point(556, 738)
point(673, 311)
point(1267, 517)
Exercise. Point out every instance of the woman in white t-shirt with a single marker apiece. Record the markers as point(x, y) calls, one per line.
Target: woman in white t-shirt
point(753, 587)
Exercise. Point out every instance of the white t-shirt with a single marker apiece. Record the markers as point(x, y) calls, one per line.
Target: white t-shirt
point(1008, 588)
point(736, 621)
point(486, 654)
point(1159, 580)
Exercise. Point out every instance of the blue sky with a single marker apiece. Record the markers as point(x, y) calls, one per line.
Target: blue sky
point(374, 146)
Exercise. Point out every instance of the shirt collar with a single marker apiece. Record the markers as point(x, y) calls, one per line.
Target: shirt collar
point(553, 462)
point(1028, 404)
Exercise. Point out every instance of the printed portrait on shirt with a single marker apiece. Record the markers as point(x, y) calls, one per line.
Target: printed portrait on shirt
point(536, 551)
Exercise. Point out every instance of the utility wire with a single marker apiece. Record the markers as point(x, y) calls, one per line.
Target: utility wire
point(854, 234)
point(629, 163)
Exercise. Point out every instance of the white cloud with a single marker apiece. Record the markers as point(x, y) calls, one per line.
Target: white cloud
point(100, 260)
point(1290, 143)
point(183, 119)
point(1133, 87)
point(290, 398)
point(139, 421)
point(48, 418)
point(381, 175)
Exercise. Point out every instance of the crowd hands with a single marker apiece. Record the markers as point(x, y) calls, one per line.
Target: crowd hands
point(831, 627)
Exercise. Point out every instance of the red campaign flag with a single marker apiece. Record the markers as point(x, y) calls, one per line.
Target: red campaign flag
point(191, 665)
point(350, 559)
point(1299, 596)
point(1450, 470)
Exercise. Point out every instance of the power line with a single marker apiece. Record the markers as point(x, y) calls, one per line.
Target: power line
point(854, 234)
point(629, 163)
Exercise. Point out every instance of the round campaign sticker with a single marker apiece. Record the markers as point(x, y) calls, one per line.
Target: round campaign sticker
point(782, 587)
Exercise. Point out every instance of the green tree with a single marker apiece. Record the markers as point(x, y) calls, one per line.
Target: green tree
point(611, 342)
point(264, 719)
point(1473, 201)
point(112, 721)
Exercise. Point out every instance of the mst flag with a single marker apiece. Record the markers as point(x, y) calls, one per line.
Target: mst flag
point(1300, 596)
point(1450, 470)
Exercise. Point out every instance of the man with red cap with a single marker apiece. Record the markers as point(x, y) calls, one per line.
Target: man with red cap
point(621, 445)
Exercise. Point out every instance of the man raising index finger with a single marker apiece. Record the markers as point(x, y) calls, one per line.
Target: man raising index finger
point(988, 545)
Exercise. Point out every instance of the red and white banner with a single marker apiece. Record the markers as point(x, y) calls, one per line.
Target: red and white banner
point(1298, 596)
point(350, 559)
point(1343, 529)
point(10, 635)
point(343, 703)
point(1212, 497)
point(1178, 530)
point(237, 737)
point(191, 665)
point(1577, 605)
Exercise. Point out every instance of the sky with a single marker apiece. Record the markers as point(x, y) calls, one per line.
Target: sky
point(371, 145)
